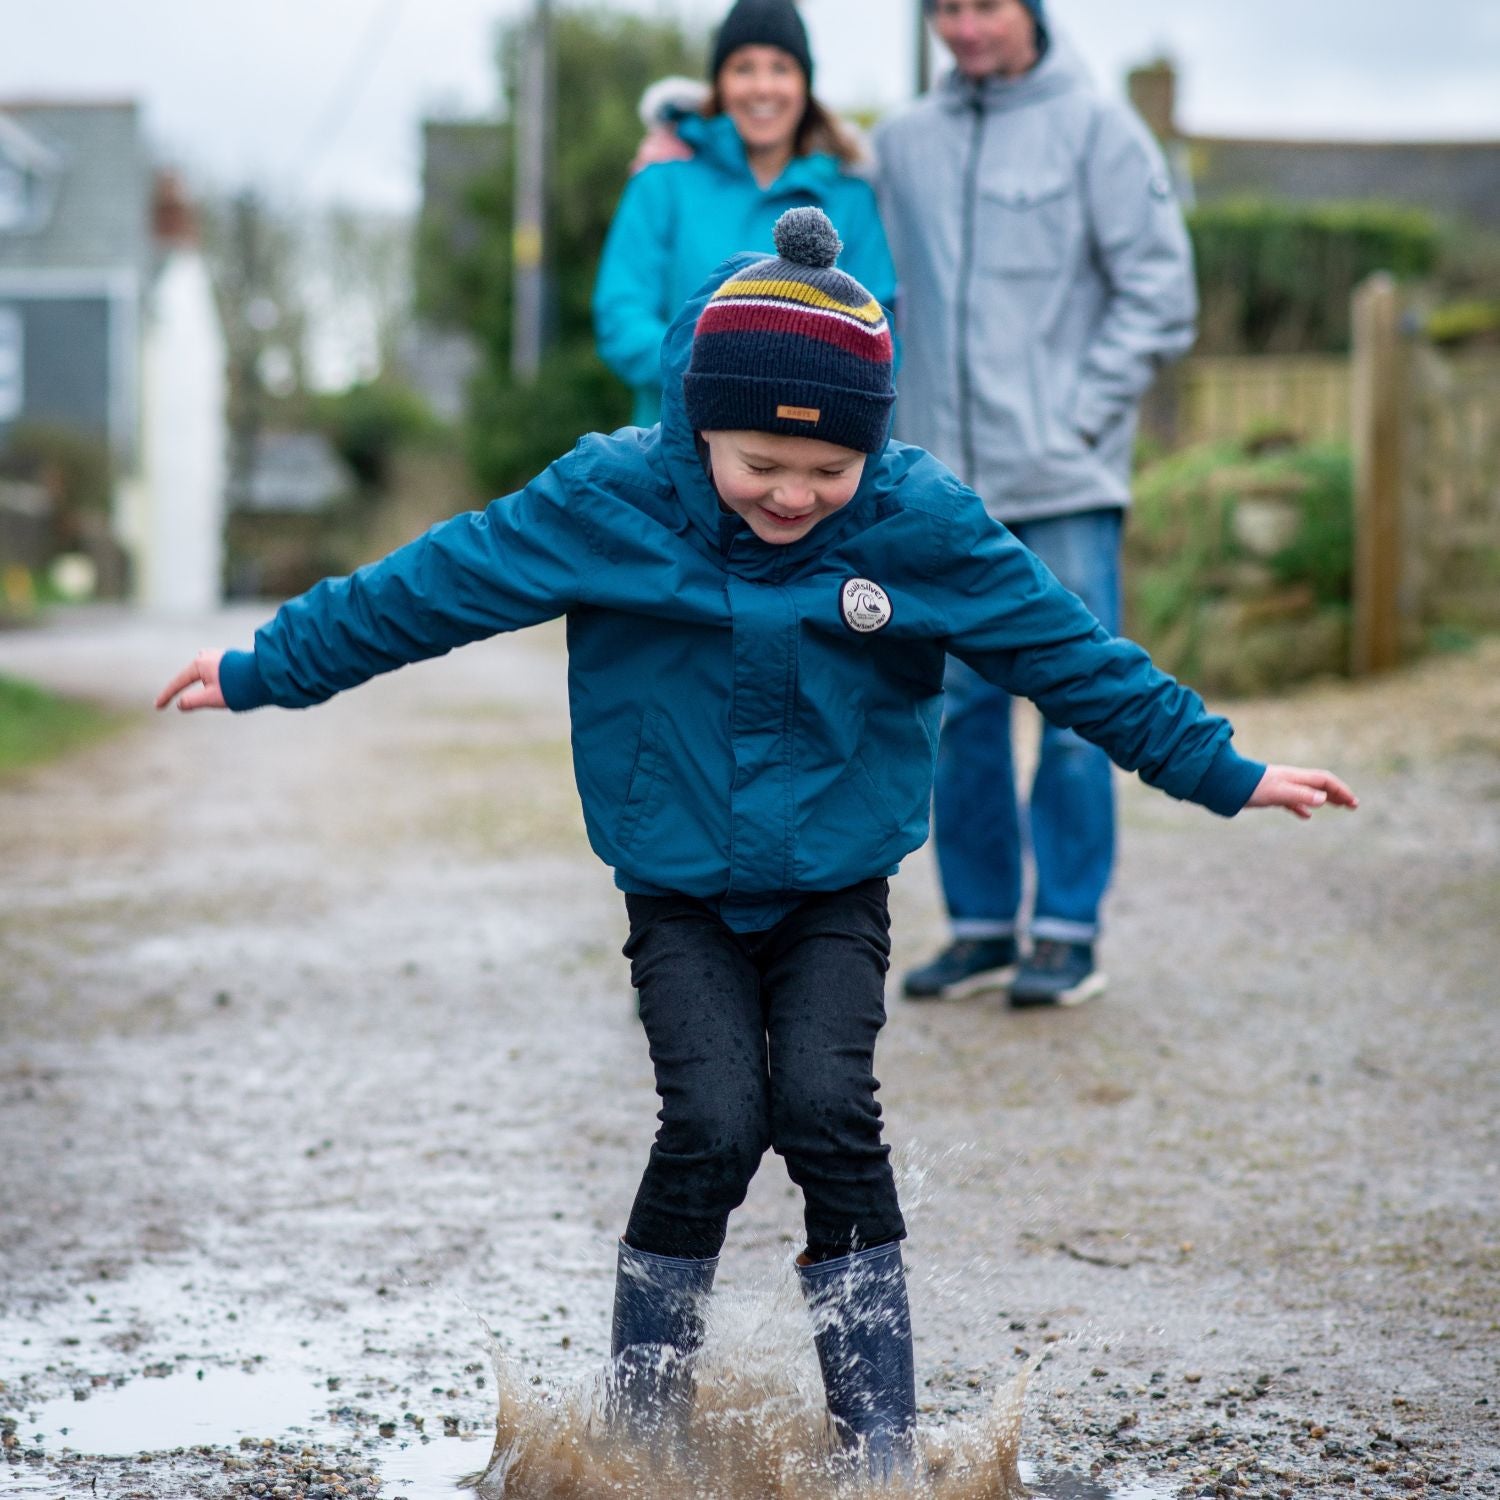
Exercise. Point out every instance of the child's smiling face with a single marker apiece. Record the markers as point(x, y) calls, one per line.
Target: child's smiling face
point(782, 486)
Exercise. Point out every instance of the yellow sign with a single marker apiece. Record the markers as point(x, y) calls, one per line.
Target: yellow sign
point(526, 246)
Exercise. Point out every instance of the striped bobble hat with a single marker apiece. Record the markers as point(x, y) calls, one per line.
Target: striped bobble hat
point(794, 345)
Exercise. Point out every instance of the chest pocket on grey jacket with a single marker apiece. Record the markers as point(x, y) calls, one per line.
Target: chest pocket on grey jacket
point(1025, 224)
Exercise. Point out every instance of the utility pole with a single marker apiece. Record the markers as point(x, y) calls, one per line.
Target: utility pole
point(923, 50)
point(533, 139)
point(252, 320)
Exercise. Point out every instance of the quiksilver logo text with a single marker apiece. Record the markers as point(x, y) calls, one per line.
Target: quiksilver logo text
point(865, 605)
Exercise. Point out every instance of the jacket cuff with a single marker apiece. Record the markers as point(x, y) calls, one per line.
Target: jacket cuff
point(1226, 786)
point(240, 681)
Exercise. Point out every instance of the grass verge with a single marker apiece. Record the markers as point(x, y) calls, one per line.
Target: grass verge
point(36, 726)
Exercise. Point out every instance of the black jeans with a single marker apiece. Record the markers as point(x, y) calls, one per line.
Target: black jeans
point(764, 1039)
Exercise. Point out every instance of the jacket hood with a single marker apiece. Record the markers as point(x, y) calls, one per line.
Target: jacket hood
point(679, 447)
point(671, 99)
point(715, 140)
point(1060, 71)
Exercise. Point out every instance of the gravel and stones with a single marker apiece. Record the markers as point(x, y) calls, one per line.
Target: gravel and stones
point(317, 1056)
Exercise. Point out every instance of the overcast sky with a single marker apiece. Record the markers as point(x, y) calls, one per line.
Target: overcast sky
point(322, 98)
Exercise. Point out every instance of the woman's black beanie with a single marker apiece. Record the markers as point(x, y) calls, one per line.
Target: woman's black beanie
point(763, 23)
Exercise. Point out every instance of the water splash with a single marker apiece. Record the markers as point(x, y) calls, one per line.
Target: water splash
point(758, 1429)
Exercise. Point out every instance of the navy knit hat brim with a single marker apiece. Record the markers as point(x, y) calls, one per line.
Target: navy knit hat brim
point(795, 408)
point(763, 23)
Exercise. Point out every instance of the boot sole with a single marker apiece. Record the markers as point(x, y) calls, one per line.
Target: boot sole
point(1086, 989)
point(975, 984)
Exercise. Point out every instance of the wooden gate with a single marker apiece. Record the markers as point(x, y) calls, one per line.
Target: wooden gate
point(1425, 427)
point(1225, 398)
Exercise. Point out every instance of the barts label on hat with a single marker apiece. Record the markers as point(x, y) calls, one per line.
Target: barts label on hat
point(799, 413)
point(865, 605)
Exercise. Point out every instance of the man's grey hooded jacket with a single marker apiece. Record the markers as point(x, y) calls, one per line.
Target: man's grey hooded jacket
point(1045, 274)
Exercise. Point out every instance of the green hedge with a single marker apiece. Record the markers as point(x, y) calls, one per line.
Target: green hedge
point(368, 422)
point(515, 431)
point(1276, 277)
point(1473, 321)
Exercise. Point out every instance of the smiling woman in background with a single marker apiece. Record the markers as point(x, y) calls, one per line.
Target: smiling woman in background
point(751, 146)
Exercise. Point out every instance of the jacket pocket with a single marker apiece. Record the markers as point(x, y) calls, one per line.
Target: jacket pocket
point(1024, 225)
point(857, 825)
point(885, 818)
point(647, 783)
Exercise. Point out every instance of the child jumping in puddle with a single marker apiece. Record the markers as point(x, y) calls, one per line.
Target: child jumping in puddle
point(760, 592)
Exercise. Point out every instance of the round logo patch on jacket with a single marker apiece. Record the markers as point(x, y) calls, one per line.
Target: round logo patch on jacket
point(865, 605)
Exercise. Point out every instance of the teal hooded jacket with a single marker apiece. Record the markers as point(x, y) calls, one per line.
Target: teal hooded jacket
point(677, 220)
point(750, 722)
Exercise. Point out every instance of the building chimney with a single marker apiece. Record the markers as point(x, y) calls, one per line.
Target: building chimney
point(173, 220)
point(1153, 92)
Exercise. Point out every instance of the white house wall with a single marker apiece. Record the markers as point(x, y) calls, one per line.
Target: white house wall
point(184, 434)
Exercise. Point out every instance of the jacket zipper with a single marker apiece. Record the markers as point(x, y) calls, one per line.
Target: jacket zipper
point(965, 283)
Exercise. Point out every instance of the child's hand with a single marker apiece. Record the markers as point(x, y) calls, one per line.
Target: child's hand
point(203, 669)
point(1300, 792)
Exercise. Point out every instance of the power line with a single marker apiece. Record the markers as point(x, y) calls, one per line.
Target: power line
point(345, 96)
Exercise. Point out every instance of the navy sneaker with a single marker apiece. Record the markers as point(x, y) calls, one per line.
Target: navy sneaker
point(965, 967)
point(1057, 973)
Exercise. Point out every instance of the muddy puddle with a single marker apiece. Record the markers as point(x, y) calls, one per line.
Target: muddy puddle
point(246, 1414)
point(758, 1430)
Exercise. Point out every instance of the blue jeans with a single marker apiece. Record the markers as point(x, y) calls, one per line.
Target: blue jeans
point(976, 818)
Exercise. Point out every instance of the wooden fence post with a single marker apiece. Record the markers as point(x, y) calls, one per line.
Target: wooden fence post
point(1376, 420)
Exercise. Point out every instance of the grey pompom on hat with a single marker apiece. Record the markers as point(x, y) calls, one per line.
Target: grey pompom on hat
point(806, 237)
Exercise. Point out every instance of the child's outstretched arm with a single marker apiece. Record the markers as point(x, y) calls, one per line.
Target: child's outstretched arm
point(203, 671)
point(1018, 627)
point(1300, 791)
point(523, 559)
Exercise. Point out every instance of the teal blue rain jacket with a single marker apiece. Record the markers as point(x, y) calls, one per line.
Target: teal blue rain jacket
point(678, 220)
point(751, 722)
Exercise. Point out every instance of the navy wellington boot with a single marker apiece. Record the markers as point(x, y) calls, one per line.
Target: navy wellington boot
point(657, 1328)
point(862, 1329)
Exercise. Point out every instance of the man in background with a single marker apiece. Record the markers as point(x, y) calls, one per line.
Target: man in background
point(1045, 274)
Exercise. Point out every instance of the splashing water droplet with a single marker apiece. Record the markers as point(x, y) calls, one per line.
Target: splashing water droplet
point(758, 1429)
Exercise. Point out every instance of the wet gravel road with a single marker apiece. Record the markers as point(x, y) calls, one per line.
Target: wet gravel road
point(317, 1055)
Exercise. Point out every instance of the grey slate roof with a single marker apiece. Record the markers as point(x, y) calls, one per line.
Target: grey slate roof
point(101, 216)
point(1457, 179)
